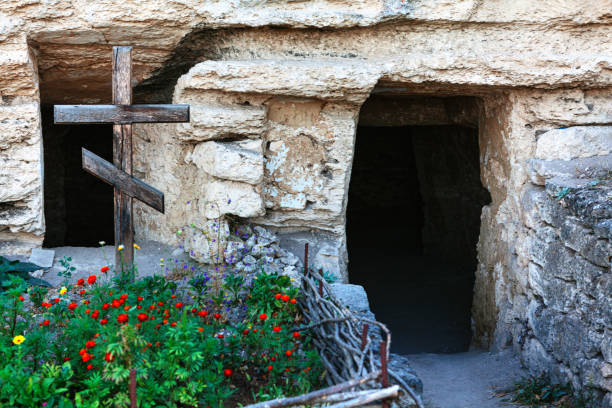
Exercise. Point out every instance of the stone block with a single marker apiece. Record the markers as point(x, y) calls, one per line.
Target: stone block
point(573, 142)
point(328, 260)
point(218, 122)
point(353, 296)
point(207, 242)
point(237, 161)
point(231, 197)
point(42, 257)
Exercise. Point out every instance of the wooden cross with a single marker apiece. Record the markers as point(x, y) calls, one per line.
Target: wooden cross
point(122, 114)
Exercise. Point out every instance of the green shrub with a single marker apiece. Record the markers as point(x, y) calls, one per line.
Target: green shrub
point(199, 344)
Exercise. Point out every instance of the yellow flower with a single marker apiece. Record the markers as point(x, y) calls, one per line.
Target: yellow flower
point(161, 259)
point(63, 291)
point(18, 339)
point(120, 248)
point(291, 279)
point(136, 246)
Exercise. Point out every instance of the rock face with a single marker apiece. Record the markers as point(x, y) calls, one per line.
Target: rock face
point(275, 93)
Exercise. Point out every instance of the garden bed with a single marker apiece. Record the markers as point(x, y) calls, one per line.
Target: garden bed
point(220, 341)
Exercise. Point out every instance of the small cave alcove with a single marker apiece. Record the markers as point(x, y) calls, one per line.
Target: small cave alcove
point(413, 222)
point(78, 206)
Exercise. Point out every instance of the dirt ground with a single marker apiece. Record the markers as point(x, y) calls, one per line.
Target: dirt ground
point(466, 380)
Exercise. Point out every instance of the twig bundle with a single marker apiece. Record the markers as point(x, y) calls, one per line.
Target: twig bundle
point(353, 368)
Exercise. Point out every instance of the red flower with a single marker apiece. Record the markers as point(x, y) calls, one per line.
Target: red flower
point(109, 357)
point(103, 321)
point(285, 298)
point(95, 314)
point(45, 304)
point(245, 332)
point(165, 321)
point(194, 310)
point(92, 279)
point(86, 302)
point(139, 298)
point(89, 366)
point(66, 358)
point(104, 269)
point(158, 326)
point(56, 300)
point(202, 313)
point(124, 296)
point(220, 336)
point(138, 325)
point(105, 306)
point(72, 306)
point(87, 311)
point(116, 303)
point(44, 323)
point(294, 301)
point(126, 308)
point(263, 317)
point(138, 307)
point(122, 318)
point(278, 296)
point(277, 329)
point(273, 359)
point(80, 282)
point(83, 292)
point(160, 303)
point(179, 305)
point(200, 329)
point(270, 368)
point(86, 357)
point(143, 317)
point(90, 344)
point(228, 372)
point(21, 298)
point(152, 307)
point(173, 296)
point(173, 324)
point(217, 316)
point(288, 353)
point(296, 335)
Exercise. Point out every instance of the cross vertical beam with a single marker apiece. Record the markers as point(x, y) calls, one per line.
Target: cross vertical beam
point(122, 155)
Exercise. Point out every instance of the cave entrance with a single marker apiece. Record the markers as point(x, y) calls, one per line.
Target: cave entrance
point(78, 206)
point(413, 218)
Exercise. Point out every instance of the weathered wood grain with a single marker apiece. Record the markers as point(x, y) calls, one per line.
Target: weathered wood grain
point(129, 185)
point(120, 114)
point(122, 156)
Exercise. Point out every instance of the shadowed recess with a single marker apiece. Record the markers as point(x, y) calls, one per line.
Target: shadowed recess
point(413, 223)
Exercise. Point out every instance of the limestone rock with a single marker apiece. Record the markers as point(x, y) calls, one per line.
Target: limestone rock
point(236, 161)
point(265, 237)
point(234, 251)
point(573, 142)
point(231, 197)
point(354, 296)
point(328, 259)
point(207, 243)
point(346, 81)
point(216, 122)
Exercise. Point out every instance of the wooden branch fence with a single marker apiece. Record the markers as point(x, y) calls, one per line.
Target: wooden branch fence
point(356, 374)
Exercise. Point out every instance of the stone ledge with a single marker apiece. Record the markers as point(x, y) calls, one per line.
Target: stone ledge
point(328, 80)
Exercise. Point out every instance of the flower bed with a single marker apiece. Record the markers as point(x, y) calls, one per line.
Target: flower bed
point(207, 342)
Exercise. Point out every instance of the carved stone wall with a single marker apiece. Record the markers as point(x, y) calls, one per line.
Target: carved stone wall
point(276, 90)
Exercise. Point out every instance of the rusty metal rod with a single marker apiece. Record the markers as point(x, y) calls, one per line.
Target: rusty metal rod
point(133, 402)
point(364, 335)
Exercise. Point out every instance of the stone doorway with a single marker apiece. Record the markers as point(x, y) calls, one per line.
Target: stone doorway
point(78, 206)
point(413, 222)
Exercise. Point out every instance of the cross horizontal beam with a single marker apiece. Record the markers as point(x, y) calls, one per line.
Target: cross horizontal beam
point(120, 114)
point(122, 181)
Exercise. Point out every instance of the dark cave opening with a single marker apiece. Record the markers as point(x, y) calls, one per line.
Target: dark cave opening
point(413, 222)
point(78, 206)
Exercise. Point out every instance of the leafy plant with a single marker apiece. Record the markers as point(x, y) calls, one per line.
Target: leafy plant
point(63, 353)
point(20, 269)
point(540, 392)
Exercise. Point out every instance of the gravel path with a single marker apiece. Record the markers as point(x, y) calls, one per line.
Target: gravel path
point(466, 380)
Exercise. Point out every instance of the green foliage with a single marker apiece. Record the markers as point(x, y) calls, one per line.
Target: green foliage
point(238, 348)
point(19, 269)
point(539, 392)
